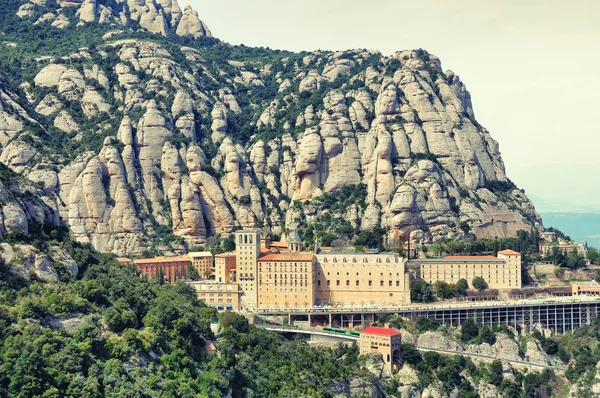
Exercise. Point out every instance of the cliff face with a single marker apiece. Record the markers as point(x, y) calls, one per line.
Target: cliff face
point(139, 134)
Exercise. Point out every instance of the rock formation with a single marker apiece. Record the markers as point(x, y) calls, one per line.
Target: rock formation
point(146, 143)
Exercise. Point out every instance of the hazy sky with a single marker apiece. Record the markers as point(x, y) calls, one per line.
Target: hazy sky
point(532, 67)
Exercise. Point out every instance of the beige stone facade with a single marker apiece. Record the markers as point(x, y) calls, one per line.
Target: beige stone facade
point(222, 296)
point(270, 277)
point(286, 280)
point(362, 279)
point(225, 267)
point(202, 261)
point(383, 341)
point(502, 272)
point(247, 251)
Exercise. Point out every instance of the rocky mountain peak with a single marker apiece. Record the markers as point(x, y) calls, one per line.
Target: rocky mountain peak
point(153, 144)
point(155, 16)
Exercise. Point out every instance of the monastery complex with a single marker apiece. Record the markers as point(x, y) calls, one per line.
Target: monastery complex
point(262, 275)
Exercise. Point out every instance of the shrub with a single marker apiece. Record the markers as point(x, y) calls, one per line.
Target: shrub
point(479, 283)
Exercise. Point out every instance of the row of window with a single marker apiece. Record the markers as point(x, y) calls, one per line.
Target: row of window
point(357, 283)
point(364, 260)
point(370, 274)
point(284, 289)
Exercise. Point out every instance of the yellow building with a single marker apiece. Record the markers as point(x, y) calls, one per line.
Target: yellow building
point(202, 261)
point(247, 253)
point(362, 279)
point(225, 267)
point(286, 280)
point(222, 296)
point(383, 341)
point(502, 272)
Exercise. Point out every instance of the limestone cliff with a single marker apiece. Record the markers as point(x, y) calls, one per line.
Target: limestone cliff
point(138, 136)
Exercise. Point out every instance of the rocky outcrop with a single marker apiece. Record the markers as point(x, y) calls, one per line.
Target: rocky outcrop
point(156, 16)
point(191, 26)
point(204, 144)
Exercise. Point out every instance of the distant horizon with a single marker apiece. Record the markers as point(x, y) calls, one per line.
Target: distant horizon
point(517, 59)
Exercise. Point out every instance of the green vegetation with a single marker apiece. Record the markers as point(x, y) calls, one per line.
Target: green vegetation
point(525, 243)
point(479, 283)
point(450, 372)
point(572, 260)
point(444, 290)
point(153, 342)
point(421, 292)
point(331, 224)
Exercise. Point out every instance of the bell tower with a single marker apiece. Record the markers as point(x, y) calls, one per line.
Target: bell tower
point(247, 251)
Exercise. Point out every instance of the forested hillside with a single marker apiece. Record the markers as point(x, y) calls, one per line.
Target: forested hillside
point(102, 329)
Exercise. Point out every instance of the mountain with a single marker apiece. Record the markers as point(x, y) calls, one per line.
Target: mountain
point(155, 135)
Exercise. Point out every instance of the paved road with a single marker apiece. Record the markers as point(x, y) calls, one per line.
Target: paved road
point(287, 329)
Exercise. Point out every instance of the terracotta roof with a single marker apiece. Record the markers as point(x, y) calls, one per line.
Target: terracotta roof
point(468, 257)
point(227, 254)
point(509, 253)
point(161, 260)
point(380, 331)
point(124, 260)
point(279, 244)
point(287, 257)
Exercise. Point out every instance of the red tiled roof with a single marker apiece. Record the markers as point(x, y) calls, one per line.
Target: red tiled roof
point(124, 260)
point(459, 257)
point(380, 331)
point(287, 257)
point(509, 252)
point(162, 260)
point(279, 244)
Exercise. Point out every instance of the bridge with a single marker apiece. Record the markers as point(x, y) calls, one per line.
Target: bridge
point(560, 315)
point(311, 331)
point(350, 338)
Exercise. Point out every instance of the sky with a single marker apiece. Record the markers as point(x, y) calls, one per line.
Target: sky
point(531, 66)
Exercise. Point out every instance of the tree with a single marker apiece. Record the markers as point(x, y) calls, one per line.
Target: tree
point(229, 243)
point(479, 283)
point(410, 354)
point(593, 255)
point(461, 287)
point(495, 375)
point(444, 290)
point(421, 292)
point(597, 277)
point(193, 273)
point(469, 330)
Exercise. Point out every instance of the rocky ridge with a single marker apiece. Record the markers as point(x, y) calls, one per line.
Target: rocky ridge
point(194, 139)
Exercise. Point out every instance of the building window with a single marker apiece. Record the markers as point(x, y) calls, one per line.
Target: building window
point(328, 282)
point(370, 283)
point(337, 282)
point(347, 283)
point(380, 283)
point(357, 283)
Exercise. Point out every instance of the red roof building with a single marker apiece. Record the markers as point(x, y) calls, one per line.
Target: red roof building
point(385, 342)
point(380, 331)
